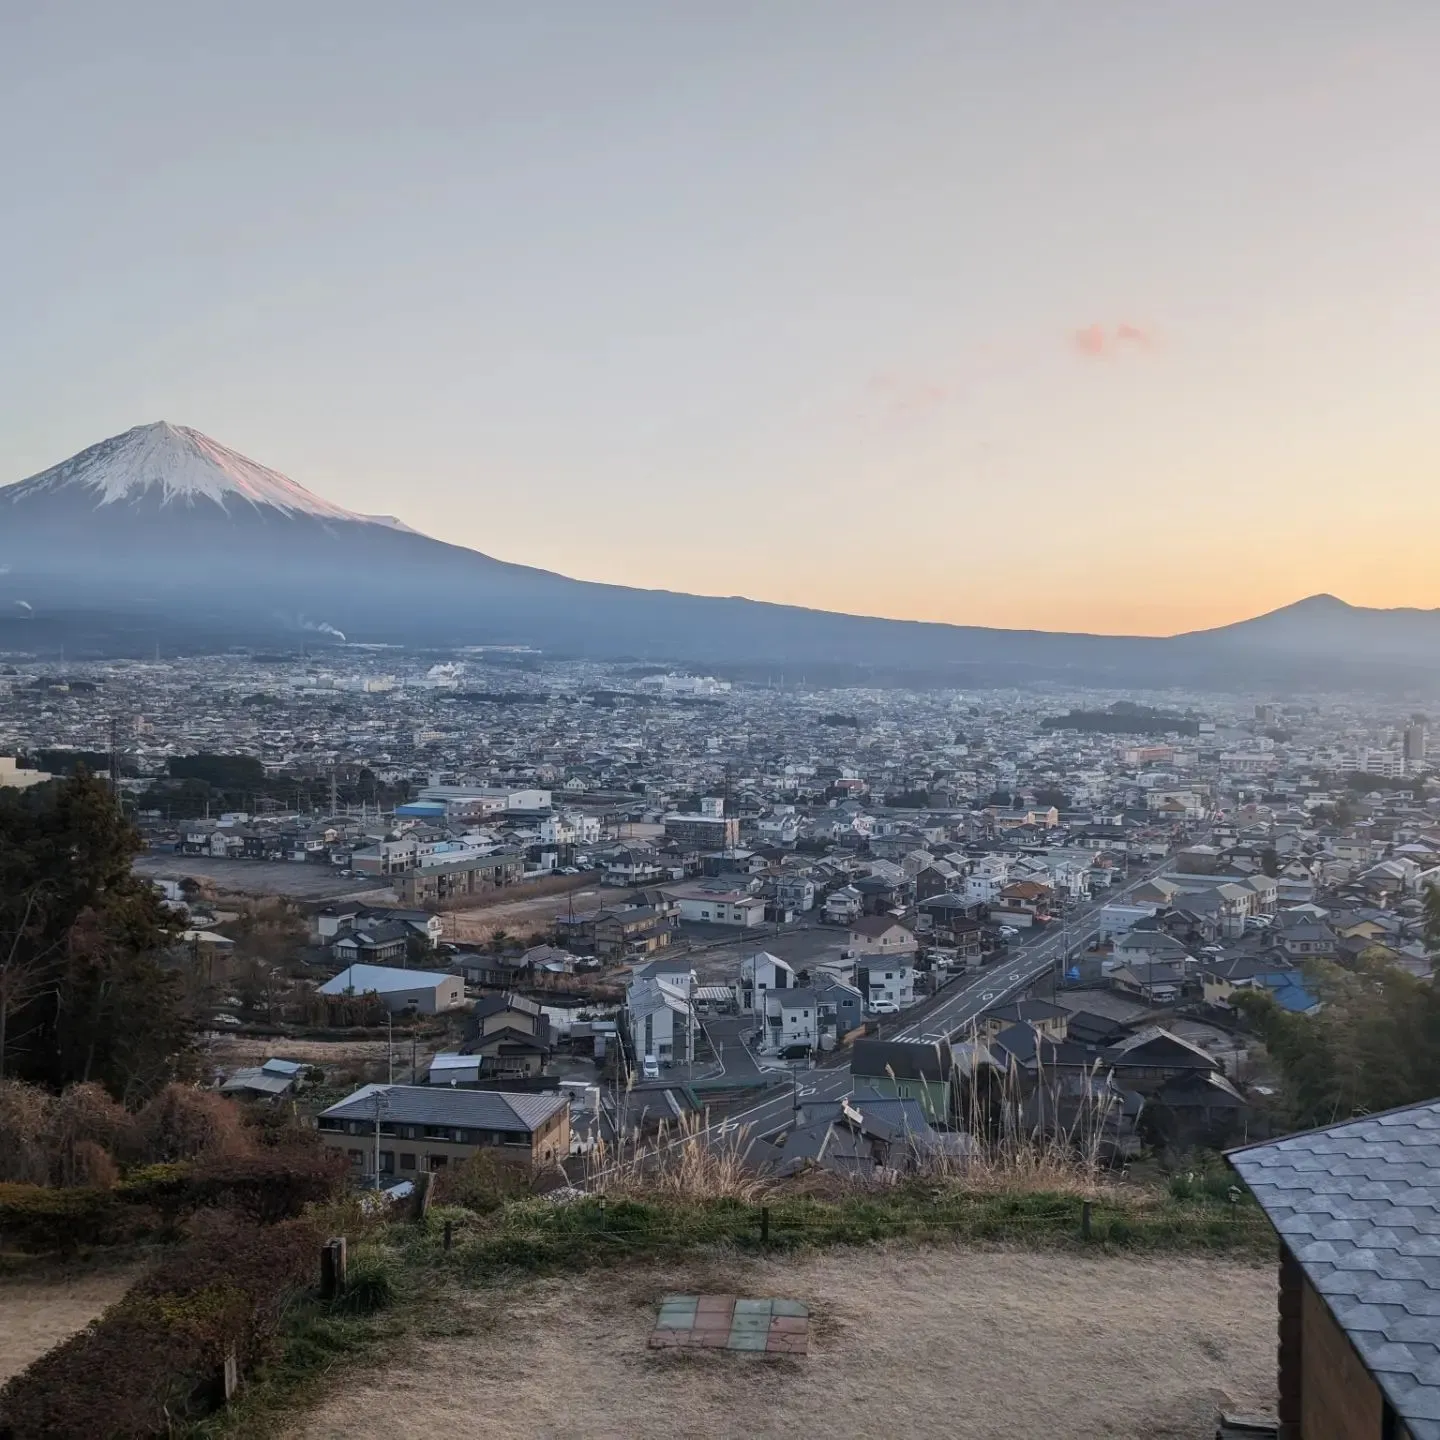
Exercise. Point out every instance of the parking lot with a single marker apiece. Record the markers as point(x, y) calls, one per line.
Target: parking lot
point(262, 877)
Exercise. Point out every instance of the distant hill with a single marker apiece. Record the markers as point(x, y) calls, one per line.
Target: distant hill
point(164, 536)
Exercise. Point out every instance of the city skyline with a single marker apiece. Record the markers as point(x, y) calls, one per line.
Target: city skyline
point(1015, 318)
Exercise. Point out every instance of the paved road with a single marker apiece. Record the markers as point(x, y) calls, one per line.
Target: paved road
point(957, 1007)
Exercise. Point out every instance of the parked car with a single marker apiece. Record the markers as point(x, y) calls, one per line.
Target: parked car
point(884, 1007)
point(650, 1068)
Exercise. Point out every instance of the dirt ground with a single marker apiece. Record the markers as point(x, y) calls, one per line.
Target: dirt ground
point(519, 917)
point(37, 1313)
point(971, 1345)
point(232, 1050)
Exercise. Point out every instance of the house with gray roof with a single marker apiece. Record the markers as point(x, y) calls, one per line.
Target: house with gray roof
point(404, 1129)
point(1357, 1208)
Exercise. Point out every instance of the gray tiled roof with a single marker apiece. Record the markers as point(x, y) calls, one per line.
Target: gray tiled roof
point(1358, 1205)
point(441, 1105)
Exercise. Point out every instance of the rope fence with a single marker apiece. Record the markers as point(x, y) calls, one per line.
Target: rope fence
point(617, 1226)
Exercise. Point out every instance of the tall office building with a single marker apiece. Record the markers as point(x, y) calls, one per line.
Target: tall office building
point(1415, 743)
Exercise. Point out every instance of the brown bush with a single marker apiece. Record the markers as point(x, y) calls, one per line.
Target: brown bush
point(181, 1123)
point(267, 1186)
point(86, 1127)
point(152, 1361)
point(482, 1182)
point(69, 1139)
point(24, 1113)
point(90, 1164)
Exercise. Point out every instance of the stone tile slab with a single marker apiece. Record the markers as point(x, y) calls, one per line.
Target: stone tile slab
point(725, 1322)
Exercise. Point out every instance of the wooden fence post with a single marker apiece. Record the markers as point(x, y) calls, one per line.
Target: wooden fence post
point(1085, 1219)
point(332, 1268)
point(764, 1224)
point(449, 1233)
point(230, 1377)
point(424, 1188)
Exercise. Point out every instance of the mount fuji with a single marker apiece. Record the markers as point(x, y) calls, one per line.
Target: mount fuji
point(162, 535)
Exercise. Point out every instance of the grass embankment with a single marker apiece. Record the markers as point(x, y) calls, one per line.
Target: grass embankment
point(401, 1272)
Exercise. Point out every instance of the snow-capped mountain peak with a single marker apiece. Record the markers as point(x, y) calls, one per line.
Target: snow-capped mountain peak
point(177, 466)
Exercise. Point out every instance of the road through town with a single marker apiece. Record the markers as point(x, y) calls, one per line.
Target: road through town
point(949, 1015)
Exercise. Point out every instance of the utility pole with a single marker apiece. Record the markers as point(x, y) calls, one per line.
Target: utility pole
point(379, 1110)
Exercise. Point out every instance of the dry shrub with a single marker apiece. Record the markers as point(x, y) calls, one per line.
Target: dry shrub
point(682, 1162)
point(267, 1186)
point(63, 1140)
point(1055, 1132)
point(90, 1164)
point(483, 1182)
point(181, 1124)
point(24, 1114)
point(85, 1128)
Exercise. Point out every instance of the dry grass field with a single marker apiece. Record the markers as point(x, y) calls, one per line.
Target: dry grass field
point(962, 1343)
point(38, 1311)
point(519, 917)
point(235, 1050)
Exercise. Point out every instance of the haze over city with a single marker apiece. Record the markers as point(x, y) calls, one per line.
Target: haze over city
point(1113, 318)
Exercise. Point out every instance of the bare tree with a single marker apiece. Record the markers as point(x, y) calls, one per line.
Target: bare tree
point(24, 974)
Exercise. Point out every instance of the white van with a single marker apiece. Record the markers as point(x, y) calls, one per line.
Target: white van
point(650, 1068)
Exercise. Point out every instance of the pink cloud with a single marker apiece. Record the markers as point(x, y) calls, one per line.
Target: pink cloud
point(1097, 342)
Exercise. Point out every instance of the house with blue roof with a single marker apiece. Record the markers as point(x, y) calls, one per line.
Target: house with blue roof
point(1223, 975)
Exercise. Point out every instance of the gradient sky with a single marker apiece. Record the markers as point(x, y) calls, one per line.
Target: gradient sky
point(1095, 314)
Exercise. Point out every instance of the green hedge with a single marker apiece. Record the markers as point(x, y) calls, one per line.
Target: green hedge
point(154, 1360)
point(36, 1218)
point(268, 1186)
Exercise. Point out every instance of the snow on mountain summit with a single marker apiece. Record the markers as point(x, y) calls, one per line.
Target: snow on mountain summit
point(181, 466)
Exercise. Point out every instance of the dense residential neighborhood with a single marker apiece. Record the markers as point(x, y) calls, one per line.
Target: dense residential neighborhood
point(506, 916)
point(708, 888)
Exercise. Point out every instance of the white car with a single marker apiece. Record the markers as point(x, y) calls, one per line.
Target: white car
point(1009, 931)
point(884, 1007)
point(650, 1068)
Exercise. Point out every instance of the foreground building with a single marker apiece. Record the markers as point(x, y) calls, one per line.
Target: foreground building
point(1357, 1207)
point(402, 1130)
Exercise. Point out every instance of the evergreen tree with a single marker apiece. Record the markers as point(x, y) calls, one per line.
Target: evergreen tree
point(1375, 1043)
point(1432, 918)
point(84, 996)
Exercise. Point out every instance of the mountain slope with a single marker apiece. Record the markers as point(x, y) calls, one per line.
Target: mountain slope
point(163, 533)
point(1323, 626)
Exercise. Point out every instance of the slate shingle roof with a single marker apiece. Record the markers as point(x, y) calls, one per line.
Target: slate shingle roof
point(440, 1105)
point(1358, 1205)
